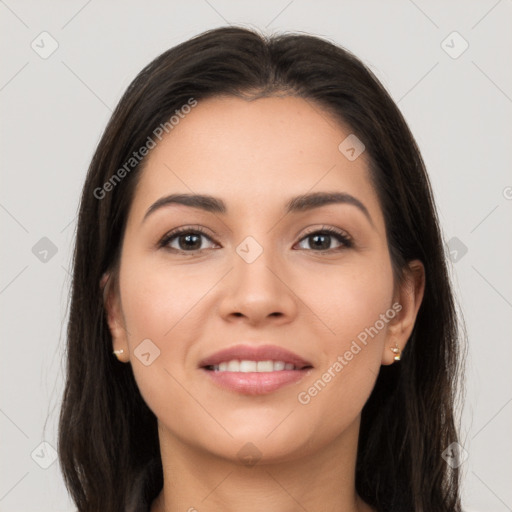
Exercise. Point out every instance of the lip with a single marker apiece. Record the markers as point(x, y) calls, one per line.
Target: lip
point(255, 353)
point(255, 383)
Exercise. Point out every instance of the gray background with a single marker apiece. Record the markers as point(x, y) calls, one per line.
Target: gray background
point(53, 112)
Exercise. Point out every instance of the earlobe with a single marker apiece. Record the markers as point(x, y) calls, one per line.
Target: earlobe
point(410, 297)
point(113, 314)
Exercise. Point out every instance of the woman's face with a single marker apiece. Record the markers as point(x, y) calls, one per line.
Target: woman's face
point(258, 274)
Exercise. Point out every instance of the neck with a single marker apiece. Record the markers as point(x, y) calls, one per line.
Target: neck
point(199, 481)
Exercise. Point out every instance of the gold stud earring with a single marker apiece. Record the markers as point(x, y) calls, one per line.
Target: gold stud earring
point(117, 353)
point(396, 351)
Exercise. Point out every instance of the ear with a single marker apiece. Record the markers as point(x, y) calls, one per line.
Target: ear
point(407, 302)
point(114, 314)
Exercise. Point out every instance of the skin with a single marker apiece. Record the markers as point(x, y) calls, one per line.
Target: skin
point(256, 155)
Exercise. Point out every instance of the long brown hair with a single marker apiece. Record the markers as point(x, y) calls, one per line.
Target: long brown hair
point(107, 434)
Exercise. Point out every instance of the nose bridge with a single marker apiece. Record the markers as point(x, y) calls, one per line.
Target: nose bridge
point(254, 261)
point(256, 287)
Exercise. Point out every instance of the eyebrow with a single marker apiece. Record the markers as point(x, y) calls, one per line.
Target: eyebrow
point(296, 204)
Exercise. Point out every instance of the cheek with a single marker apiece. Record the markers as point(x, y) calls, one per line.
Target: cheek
point(154, 317)
point(357, 311)
point(350, 301)
point(163, 315)
point(156, 300)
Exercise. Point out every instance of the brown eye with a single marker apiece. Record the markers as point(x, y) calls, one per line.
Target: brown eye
point(184, 240)
point(321, 240)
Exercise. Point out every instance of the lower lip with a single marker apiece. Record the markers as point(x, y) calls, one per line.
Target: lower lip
point(256, 383)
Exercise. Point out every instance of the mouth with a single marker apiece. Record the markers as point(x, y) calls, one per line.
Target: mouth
point(255, 370)
point(248, 366)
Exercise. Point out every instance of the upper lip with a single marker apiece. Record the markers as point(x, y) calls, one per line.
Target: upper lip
point(254, 353)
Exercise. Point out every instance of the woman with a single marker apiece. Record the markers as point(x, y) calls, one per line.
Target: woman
point(261, 314)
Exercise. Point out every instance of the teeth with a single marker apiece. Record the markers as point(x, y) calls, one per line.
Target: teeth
point(263, 366)
point(233, 366)
point(246, 366)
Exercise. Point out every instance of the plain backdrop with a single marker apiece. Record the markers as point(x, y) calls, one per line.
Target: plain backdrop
point(66, 64)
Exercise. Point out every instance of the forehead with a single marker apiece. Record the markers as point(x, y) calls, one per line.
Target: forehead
point(253, 154)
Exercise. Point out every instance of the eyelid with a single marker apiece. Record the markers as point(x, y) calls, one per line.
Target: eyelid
point(330, 229)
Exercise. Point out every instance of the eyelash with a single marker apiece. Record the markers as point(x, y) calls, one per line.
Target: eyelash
point(339, 235)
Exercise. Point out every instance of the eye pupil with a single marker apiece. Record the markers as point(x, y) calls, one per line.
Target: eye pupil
point(320, 245)
point(188, 239)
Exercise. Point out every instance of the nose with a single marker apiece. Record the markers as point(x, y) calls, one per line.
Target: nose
point(258, 291)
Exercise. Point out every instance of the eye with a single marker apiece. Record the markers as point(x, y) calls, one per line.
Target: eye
point(321, 239)
point(187, 239)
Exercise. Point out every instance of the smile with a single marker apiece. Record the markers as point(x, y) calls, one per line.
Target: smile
point(247, 366)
